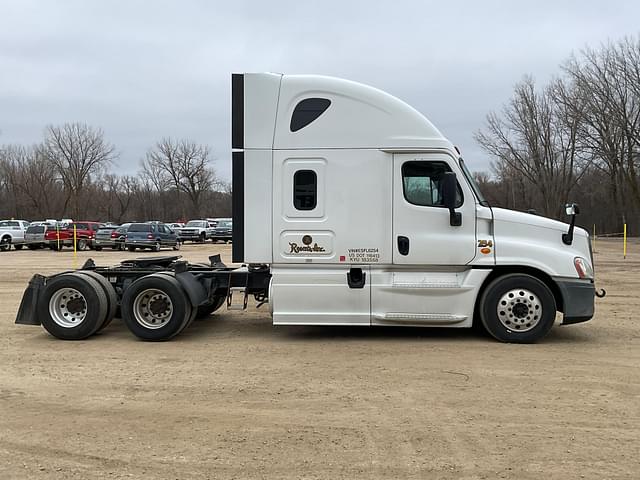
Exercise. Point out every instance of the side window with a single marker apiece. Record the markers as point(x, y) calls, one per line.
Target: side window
point(305, 190)
point(81, 226)
point(422, 183)
point(307, 111)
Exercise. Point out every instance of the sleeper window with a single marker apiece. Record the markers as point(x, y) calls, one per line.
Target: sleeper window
point(422, 183)
point(307, 111)
point(305, 190)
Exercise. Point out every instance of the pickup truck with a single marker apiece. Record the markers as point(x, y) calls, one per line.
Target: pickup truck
point(12, 233)
point(63, 237)
point(223, 231)
point(196, 231)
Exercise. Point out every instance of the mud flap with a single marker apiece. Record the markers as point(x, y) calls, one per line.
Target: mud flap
point(27, 311)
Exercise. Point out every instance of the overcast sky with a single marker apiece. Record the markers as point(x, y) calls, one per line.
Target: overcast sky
point(142, 70)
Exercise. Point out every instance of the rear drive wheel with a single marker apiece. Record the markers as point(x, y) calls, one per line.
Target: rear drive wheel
point(109, 291)
point(155, 307)
point(517, 308)
point(81, 244)
point(72, 307)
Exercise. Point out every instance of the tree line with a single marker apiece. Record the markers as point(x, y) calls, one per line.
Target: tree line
point(69, 174)
point(574, 139)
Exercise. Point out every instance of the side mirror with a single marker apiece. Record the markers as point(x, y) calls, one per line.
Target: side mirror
point(450, 197)
point(572, 209)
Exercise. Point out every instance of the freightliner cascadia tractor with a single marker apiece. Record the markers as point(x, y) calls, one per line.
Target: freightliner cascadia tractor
point(349, 208)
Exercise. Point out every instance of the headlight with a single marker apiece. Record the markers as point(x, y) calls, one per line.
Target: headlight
point(583, 267)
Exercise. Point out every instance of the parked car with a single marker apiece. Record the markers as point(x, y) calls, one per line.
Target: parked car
point(111, 236)
point(196, 231)
point(12, 233)
point(85, 233)
point(223, 231)
point(34, 235)
point(153, 236)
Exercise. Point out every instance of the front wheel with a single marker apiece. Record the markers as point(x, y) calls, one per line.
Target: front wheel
point(517, 308)
point(177, 246)
point(156, 246)
point(81, 244)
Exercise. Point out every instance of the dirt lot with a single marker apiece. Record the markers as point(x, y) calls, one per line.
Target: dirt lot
point(234, 397)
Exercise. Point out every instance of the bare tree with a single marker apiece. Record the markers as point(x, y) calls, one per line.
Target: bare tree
point(534, 139)
point(76, 152)
point(183, 165)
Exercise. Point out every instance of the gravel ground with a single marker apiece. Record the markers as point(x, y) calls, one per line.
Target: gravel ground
point(234, 397)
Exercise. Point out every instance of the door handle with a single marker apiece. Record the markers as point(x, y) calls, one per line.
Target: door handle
point(403, 245)
point(356, 278)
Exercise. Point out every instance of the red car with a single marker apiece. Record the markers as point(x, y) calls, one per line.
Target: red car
point(63, 237)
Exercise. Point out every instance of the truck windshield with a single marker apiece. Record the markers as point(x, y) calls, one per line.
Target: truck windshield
point(195, 223)
point(473, 183)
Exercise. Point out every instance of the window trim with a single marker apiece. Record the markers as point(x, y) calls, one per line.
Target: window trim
point(404, 192)
point(315, 192)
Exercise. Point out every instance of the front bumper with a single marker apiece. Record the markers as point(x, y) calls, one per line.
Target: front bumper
point(578, 300)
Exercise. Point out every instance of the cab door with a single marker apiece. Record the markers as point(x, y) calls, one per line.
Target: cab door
point(422, 231)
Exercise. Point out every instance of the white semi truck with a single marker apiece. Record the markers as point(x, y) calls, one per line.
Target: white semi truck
point(349, 208)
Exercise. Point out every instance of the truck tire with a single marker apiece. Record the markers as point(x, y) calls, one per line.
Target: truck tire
point(18, 246)
point(203, 237)
point(132, 249)
point(517, 308)
point(5, 244)
point(155, 307)
point(208, 308)
point(109, 291)
point(72, 307)
point(81, 244)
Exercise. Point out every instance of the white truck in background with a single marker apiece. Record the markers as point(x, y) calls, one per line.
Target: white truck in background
point(349, 208)
point(12, 233)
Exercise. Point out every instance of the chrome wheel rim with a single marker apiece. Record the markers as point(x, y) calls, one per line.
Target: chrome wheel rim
point(152, 308)
point(519, 310)
point(68, 307)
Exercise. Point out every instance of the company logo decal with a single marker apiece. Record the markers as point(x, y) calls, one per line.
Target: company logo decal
point(307, 246)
